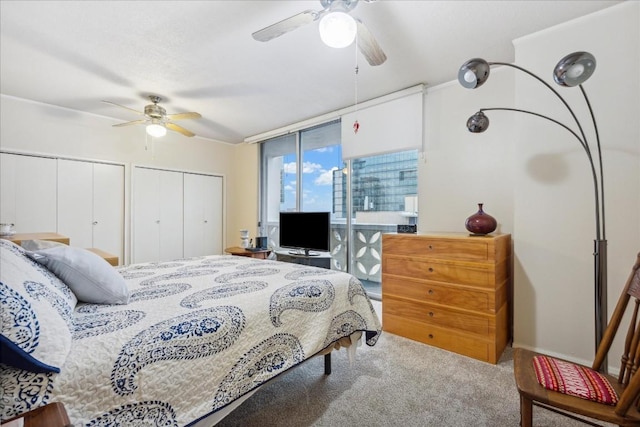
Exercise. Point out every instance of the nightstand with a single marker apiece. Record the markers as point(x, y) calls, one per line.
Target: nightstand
point(53, 237)
point(51, 415)
point(238, 251)
point(110, 258)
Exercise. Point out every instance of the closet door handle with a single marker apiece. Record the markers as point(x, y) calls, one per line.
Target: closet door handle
point(95, 222)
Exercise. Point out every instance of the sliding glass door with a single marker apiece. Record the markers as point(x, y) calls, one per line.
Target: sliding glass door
point(298, 176)
point(367, 196)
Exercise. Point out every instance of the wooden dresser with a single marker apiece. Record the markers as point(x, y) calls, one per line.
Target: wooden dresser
point(450, 290)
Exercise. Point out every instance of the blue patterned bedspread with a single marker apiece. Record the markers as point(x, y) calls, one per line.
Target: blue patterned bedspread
point(196, 335)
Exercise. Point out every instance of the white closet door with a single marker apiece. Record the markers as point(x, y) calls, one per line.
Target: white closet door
point(193, 215)
point(171, 215)
point(213, 216)
point(146, 215)
point(108, 208)
point(28, 192)
point(75, 202)
point(203, 215)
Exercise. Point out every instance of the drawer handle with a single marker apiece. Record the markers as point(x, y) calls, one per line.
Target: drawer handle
point(430, 269)
point(430, 247)
point(431, 314)
point(430, 292)
point(431, 336)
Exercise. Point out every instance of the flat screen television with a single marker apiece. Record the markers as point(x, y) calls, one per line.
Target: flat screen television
point(305, 231)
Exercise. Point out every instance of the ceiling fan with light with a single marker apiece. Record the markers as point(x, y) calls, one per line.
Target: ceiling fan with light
point(157, 120)
point(337, 28)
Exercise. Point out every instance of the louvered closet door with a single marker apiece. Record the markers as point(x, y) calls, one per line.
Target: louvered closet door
point(28, 192)
point(203, 215)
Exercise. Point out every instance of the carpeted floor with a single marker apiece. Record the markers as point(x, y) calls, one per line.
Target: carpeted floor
point(398, 382)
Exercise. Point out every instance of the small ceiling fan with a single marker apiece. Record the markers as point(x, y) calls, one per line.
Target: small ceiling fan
point(334, 16)
point(157, 119)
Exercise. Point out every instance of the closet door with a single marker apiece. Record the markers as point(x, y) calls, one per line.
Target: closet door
point(146, 215)
point(157, 215)
point(108, 208)
point(203, 215)
point(28, 192)
point(75, 202)
point(171, 215)
point(91, 204)
point(213, 216)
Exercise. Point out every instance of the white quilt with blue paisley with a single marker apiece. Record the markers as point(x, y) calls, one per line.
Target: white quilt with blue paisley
point(196, 335)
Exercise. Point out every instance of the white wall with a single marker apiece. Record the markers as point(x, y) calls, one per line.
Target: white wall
point(554, 263)
point(533, 176)
point(460, 169)
point(45, 129)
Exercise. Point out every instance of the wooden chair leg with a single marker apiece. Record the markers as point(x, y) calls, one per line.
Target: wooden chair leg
point(526, 412)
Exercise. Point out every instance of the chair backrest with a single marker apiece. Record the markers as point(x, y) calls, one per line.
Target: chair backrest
point(630, 360)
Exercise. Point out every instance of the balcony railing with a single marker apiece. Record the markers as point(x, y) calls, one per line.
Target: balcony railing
point(367, 250)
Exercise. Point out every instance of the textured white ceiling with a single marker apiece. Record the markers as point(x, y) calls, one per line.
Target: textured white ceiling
point(200, 56)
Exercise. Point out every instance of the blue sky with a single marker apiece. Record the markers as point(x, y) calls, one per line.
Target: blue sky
point(317, 178)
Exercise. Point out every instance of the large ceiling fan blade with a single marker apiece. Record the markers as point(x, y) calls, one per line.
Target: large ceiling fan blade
point(369, 46)
point(286, 25)
point(135, 122)
point(180, 129)
point(122, 106)
point(183, 116)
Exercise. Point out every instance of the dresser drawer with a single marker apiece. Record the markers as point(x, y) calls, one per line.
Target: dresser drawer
point(440, 271)
point(447, 339)
point(482, 324)
point(435, 247)
point(468, 298)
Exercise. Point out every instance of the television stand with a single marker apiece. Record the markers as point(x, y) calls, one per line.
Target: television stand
point(304, 252)
point(315, 259)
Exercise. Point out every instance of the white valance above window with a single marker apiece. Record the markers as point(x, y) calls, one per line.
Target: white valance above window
point(384, 127)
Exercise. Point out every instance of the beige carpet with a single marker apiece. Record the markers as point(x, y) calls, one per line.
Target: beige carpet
point(398, 382)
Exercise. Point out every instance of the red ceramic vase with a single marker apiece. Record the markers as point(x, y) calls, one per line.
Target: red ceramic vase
point(481, 223)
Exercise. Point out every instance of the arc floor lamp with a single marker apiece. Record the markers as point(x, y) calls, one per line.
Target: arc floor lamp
point(572, 70)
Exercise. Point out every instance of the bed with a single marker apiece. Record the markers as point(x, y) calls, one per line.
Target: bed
point(172, 343)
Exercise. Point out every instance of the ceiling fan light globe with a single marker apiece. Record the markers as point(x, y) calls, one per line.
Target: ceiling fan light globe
point(156, 130)
point(337, 29)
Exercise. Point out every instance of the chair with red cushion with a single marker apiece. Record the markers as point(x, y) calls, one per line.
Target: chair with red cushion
point(573, 389)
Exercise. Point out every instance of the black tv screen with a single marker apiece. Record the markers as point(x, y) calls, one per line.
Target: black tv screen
point(305, 231)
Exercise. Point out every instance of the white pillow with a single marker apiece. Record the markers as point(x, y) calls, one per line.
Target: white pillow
point(90, 277)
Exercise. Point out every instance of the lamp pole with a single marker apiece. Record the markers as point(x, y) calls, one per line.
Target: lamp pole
point(572, 70)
